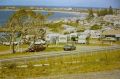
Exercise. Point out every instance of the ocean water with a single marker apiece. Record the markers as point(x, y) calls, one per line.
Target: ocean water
point(5, 15)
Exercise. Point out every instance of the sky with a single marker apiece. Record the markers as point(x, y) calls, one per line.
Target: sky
point(66, 3)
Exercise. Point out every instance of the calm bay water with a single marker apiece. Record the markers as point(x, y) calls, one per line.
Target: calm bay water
point(5, 15)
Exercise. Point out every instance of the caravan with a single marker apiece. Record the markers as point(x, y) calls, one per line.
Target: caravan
point(82, 39)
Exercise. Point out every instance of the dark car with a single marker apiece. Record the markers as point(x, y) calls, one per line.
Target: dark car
point(36, 48)
point(69, 47)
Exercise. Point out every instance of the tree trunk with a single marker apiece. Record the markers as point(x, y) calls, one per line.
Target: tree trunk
point(13, 46)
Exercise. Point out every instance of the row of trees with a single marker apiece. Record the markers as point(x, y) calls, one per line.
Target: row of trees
point(91, 13)
point(104, 12)
point(101, 12)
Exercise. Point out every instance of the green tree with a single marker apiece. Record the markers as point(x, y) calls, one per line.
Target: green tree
point(25, 22)
point(95, 27)
point(110, 10)
point(103, 12)
point(98, 13)
point(88, 39)
point(90, 11)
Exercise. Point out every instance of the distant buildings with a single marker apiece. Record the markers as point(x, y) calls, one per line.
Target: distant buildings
point(95, 33)
point(115, 19)
point(52, 38)
point(63, 39)
point(111, 35)
point(69, 29)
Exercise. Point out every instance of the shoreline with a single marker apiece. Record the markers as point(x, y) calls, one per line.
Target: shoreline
point(75, 13)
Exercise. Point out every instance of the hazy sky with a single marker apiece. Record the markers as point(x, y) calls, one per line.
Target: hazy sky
point(72, 3)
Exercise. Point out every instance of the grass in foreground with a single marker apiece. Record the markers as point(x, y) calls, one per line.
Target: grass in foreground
point(51, 49)
point(4, 48)
point(84, 63)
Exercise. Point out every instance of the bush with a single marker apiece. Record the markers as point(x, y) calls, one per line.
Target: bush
point(96, 27)
point(66, 32)
point(10, 66)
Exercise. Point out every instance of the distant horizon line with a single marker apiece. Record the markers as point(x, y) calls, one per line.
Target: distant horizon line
point(42, 6)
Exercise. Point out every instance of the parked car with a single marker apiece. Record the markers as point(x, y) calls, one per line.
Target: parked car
point(36, 48)
point(69, 47)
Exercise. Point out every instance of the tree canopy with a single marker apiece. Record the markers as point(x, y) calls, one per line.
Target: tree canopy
point(96, 27)
point(104, 12)
point(26, 22)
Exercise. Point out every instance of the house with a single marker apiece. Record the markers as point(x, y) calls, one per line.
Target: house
point(62, 38)
point(73, 35)
point(112, 19)
point(118, 37)
point(95, 33)
point(52, 38)
point(92, 33)
point(82, 39)
point(112, 34)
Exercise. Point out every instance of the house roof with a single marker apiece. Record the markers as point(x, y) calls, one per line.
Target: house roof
point(111, 32)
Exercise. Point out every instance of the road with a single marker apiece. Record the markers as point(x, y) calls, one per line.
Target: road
point(80, 50)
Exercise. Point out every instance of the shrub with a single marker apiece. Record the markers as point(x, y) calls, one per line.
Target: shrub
point(96, 27)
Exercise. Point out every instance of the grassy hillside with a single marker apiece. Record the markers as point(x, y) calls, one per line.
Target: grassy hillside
point(102, 61)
